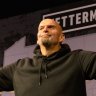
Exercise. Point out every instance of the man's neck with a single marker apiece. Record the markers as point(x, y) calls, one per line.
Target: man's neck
point(48, 51)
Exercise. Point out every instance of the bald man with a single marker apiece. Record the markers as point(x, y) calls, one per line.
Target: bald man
point(49, 36)
point(54, 70)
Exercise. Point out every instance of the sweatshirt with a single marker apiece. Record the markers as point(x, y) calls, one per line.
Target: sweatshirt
point(61, 74)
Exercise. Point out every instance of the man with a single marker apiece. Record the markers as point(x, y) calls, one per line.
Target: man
point(54, 70)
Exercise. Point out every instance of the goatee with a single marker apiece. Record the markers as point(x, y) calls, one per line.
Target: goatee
point(47, 43)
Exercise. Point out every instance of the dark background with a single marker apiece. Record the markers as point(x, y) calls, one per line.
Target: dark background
point(13, 8)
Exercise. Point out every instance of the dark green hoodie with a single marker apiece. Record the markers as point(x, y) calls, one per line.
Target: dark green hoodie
point(61, 74)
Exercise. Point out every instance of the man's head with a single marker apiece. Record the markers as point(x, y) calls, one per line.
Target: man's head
point(49, 33)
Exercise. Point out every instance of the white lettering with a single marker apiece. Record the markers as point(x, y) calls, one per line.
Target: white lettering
point(85, 17)
point(92, 15)
point(71, 19)
point(64, 20)
point(57, 20)
point(78, 18)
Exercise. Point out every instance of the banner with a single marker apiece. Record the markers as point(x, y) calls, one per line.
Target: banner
point(75, 19)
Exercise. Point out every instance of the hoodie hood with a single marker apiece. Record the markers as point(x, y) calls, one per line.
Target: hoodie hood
point(63, 50)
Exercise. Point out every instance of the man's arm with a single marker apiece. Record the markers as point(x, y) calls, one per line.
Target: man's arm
point(88, 64)
point(6, 77)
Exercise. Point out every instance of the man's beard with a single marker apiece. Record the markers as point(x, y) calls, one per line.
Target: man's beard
point(47, 43)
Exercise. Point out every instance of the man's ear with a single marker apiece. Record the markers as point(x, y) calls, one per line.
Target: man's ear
point(62, 38)
point(37, 39)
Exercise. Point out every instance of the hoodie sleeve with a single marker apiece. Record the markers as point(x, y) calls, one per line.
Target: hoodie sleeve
point(88, 64)
point(6, 77)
